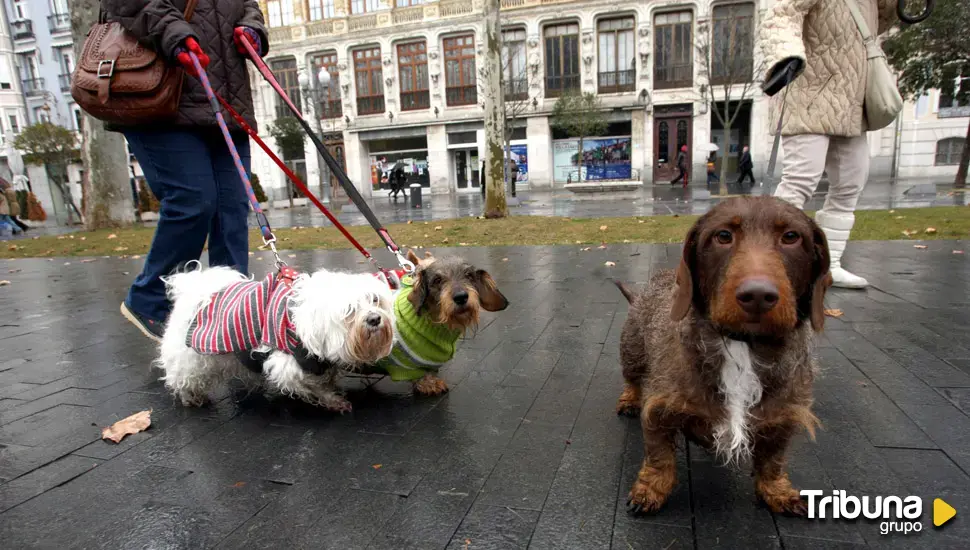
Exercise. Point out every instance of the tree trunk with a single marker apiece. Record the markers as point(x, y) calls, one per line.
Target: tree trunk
point(961, 179)
point(579, 161)
point(495, 205)
point(726, 144)
point(107, 189)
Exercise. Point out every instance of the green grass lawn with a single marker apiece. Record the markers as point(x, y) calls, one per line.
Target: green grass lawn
point(949, 222)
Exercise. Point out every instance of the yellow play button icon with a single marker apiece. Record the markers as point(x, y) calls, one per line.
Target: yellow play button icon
point(942, 512)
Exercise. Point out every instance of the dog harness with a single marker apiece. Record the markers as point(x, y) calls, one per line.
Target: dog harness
point(420, 346)
point(246, 315)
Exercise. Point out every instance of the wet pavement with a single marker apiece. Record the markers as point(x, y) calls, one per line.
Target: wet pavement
point(525, 451)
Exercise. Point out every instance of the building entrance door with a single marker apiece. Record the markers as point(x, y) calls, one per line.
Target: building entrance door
point(467, 169)
point(671, 131)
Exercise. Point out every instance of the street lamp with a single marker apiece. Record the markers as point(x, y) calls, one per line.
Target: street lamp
point(316, 89)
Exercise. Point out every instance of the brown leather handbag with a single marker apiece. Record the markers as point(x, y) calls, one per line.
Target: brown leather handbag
point(121, 81)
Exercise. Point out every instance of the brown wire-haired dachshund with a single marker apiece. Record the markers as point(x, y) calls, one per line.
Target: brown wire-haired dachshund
point(721, 350)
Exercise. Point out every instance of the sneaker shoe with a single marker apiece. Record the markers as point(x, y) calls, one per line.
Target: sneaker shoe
point(149, 327)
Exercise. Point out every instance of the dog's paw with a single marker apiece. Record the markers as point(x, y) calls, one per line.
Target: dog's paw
point(625, 408)
point(781, 498)
point(644, 499)
point(337, 404)
point(190, 399)
point(430, 385)
point(630, 401)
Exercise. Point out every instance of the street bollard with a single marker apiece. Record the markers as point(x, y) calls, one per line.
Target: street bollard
point(415, 195)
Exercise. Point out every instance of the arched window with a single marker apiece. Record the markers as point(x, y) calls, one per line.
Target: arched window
point(948, 151)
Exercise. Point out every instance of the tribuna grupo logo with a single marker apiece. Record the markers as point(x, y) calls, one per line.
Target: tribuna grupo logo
point(898, 514)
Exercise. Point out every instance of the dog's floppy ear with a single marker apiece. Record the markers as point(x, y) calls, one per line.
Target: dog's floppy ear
point(684, 286)
point(821, 277)
point(488, 292)
point(419, 293)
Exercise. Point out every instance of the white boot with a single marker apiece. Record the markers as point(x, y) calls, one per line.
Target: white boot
point(837, 228)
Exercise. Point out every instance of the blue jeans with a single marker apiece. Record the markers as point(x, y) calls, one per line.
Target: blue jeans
point(192, 174)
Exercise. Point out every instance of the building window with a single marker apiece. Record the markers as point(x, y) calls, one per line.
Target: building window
point(617, 62)
point(280, 12)
point(408, 3)
point(41, 114)
point(732, 42)
point(78, 117)
point(562, 59)
point(412, 62)
point(321, 9)
point(369, 81)
point(672, 66)
point(5, 78)
point(285, 71)
point(460, 83)
point(364, 6)
point(948, 151)
point(20, 10)
point(14, 123)
point(329, 105)
point(514, 74)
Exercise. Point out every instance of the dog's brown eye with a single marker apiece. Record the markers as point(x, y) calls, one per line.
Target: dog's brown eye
point(436, 280)
point(724, 236)
point(790, 237)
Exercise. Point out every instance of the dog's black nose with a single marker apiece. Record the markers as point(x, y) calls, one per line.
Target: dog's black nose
point(757, 296)
point(460, 298)
point(374, 320)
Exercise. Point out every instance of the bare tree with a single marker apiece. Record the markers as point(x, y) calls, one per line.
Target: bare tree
point(495, 204)
point(107, 190)
point(727, 70)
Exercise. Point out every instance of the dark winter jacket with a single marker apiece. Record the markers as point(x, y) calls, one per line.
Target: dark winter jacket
point(161, 24)
point(745, 162)
point(682, 160)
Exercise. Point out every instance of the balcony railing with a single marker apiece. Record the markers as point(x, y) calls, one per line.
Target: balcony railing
point(332, 108)
point(373, 105)
point(559, 85)
point(65, 81)
point(22, 29)
point(407, 15)
point(461, 95)
point(517, 90)
point(611, 82)
point(455, 7)
point(59, 22)
point(666, 77)
point(412, 101)
point(33, 86)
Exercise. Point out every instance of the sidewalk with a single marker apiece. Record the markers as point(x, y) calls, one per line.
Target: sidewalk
point(526, 451)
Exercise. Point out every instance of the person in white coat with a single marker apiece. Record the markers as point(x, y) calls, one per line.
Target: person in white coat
point(824, 127)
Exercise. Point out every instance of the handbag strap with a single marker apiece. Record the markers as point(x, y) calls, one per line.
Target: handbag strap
point(860, 21)
point(187, 14)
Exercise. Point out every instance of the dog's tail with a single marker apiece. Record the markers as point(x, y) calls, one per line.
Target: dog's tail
point(628, 293)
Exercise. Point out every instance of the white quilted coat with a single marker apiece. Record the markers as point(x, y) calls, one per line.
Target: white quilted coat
point(826, 98)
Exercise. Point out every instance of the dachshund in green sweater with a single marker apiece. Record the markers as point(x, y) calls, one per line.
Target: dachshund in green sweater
point(435, 306)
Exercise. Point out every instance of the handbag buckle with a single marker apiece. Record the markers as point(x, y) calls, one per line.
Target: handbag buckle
point(110, 68)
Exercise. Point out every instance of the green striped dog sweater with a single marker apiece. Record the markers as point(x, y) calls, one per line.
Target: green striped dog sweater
point(420, 346)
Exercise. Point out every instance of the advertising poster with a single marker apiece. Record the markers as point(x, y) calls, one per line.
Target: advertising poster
point(520, 153)
point(603, 159)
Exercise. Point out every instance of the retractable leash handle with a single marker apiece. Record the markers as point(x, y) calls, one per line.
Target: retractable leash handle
point(335, 168)
point(268, 238)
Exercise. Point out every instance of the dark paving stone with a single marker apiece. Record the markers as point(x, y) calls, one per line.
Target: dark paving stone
point(524, 451)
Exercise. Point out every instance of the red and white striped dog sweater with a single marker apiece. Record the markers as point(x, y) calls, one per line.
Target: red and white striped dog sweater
point(246, 315)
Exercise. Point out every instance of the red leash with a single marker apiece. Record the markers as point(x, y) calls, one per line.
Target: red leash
point(296, 180)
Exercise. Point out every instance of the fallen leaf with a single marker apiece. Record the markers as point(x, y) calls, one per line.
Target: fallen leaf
point(61, 238)
point(67, 263)
point(908, 233)
point(900, 217)
point(626, 241)
point(676, 215)
point(438, 228)
point(425, 235)
point(834, 313)
point(291, 256)
point(462, 244)
point(259, 258)
point(121, 248)
point(603, 228)
point(112, 236)
point(610, 264)
point(930, 230)
point(239, 484)
point(955, 252)
point(136, 257)
point(89, 260)
point(863, 384)
point(640, 221)
point(579, 242)
point(4, 283)
point(506, 259)
point(12, 247)
point(84, 238)
point(919, 246)
point(19, 270)
point(584, 249)
point(602, 247)
point(124, 273)
point(135, 423)
point(71, 236)
point(252, 253)
point(892, 211)
point(377, 466)
point(410, 222)
point(445, 240)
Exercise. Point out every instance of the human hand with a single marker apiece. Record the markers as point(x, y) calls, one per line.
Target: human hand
point(182, 55)
point(782, 74)
point(249, 35)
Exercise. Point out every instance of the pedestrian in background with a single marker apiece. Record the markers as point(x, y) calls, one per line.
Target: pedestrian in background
point(513, 174)
point(186, 161)
point(681, 167)
point(745, 166)
point(711, 169)
point(9, 208)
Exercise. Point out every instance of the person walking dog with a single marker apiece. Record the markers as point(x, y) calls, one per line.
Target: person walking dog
point(185, 161)
point(824, 127)
point(745, 166)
